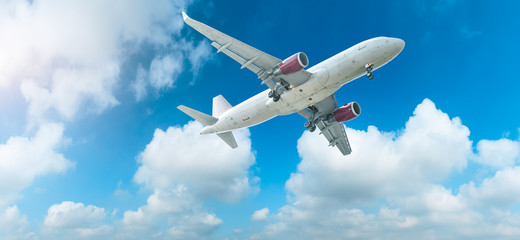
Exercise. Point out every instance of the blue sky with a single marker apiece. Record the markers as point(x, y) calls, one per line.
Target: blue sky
point(92, 145)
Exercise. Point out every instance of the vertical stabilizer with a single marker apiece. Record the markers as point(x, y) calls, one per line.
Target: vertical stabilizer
point(229, 139)
point(220, 105)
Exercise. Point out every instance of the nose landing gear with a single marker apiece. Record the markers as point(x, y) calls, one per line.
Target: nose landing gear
point(368, 68)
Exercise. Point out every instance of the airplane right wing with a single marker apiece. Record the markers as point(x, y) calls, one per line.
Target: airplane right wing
point(249, 57)
point(333, 131)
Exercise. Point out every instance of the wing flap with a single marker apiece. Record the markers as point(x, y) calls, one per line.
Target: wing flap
point(225, 42)
point(336, 135)
point(333, 131)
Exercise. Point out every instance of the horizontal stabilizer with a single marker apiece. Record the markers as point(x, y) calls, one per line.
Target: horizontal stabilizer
point(201, 117)
point(220, 105)
point(228, 138)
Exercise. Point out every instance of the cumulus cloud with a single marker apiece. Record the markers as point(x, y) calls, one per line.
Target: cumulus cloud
point(389, 187)
point(203, 163)
point(23, 158)
point(13, 225)
point(183, 169)
point(70, 89)
point(260, 215)
point(498, 153)
point(75, 220)
point(176, 208)
point(64, 58)
point(66, 55)
point(429, 148)
point(500, 191)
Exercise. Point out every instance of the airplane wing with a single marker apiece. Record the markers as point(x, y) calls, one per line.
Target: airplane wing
point(333, 131)
point(249, 57)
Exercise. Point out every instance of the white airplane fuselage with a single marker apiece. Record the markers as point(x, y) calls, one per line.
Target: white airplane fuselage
point(327, 77)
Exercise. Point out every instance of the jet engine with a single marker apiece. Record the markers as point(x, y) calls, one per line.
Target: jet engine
point(347, 112)
point(293, 63)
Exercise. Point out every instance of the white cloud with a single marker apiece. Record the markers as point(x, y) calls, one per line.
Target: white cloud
point(499, 153)
point(70, 89)
point(164, 70)
point(175, 208)
point(68, 55)
point(139, 86)
point(22, 159)
point(203, 163)
point(388, 188)
point(75, 220)
point(198, 56)
point(183, 169)
point(72, 215)
point(500, 191)
point(12, 224)
point(64, 58)
point(430, 148)
point(260, 215)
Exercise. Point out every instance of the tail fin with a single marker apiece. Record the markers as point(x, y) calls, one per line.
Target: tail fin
point(229, 139)
point(220, 105)
point(201, 117)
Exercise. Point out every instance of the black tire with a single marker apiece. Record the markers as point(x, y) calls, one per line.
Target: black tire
point(370, 76)
point(313, 128)
point(276, 98)
point(270, 94)
point(308, 124)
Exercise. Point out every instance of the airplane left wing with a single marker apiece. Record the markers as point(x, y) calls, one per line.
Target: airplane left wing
point(249, 57)
point(333, 131)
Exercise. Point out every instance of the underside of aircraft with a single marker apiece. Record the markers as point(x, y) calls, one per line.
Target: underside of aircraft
point(291, 88)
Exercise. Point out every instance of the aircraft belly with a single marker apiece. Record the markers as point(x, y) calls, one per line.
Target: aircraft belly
point(249, 113)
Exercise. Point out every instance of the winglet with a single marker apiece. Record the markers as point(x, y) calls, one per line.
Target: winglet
point(184, 16)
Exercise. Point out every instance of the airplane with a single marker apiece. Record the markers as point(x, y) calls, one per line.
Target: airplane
point(291, 88)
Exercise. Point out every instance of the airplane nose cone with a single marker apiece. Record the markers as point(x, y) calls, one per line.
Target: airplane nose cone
point(398, 45)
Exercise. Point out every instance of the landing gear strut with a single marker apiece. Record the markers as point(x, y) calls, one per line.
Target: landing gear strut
point(311, 125)
point(368, 68)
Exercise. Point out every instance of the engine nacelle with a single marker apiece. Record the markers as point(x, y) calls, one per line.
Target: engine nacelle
point(347, 112)
point(294, 63)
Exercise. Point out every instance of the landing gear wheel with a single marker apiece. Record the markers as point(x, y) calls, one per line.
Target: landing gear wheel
point(370, 75)
point(308, 124)
point(276, 98)
point(369, 67)
point(270, 94)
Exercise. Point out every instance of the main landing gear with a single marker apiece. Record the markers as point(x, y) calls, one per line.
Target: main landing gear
point(274, 95)
point(368, 68)
point(310, 124)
